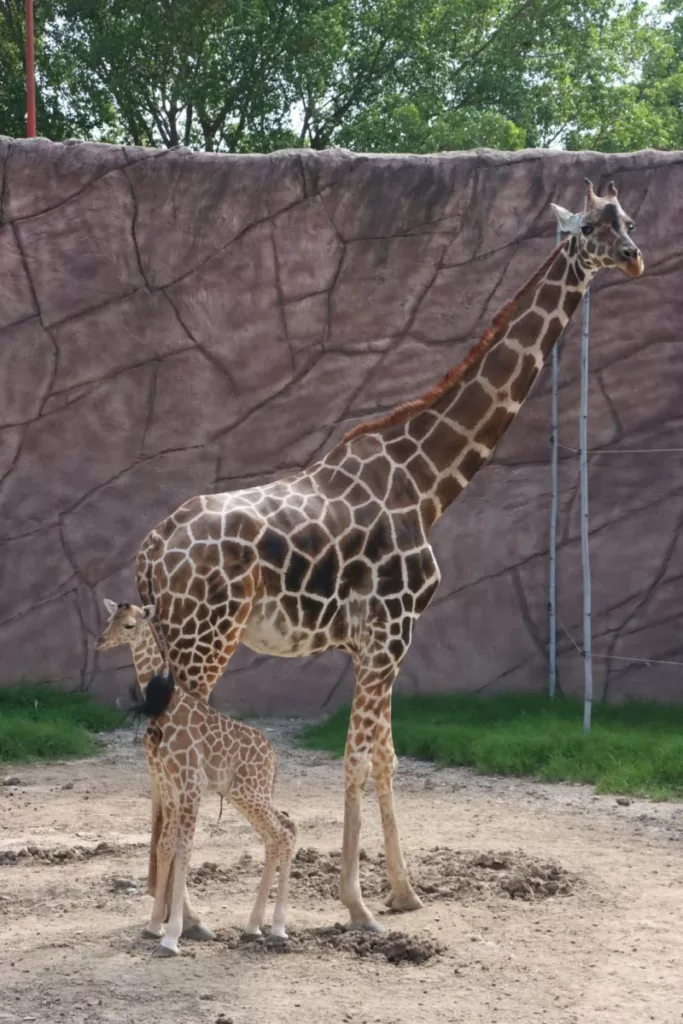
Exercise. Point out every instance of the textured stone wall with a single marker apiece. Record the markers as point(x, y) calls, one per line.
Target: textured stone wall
point(172, 324)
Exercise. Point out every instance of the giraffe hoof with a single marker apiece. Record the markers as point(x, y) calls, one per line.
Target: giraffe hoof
point(404, 903)
point(252, 937)
point(165, 951)
point(199, 933)
point(149, 933)
point(277, 940)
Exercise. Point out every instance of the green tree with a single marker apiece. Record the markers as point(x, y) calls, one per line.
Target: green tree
point(643, 109)
point(62, 108)
point(372, 75)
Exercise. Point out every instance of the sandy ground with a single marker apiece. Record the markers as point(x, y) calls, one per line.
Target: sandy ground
point(541, 904)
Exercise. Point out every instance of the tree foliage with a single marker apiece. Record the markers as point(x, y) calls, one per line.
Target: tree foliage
point(372, 75)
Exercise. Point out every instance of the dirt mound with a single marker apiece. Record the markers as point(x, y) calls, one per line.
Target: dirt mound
point(65, 854)
point(451, 874)
point(440, 874)
point(209, 871)
point(394, 947)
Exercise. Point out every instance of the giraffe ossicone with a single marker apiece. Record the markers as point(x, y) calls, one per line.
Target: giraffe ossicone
point(191, 747)
point(337, 555)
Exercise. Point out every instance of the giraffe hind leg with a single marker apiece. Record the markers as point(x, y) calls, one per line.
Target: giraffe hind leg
point(278, 832)
point(286, 846)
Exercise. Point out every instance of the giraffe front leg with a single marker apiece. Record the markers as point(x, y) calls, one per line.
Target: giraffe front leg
point(151, 746)
point(187, 821)
point(357, 759)
point(157, 821)
point(402, 897)
point(164, 856)
point(193, 928)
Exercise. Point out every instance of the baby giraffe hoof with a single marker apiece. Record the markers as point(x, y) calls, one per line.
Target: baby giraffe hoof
point(199, 933)
point(165, 951)
point(150, 933)
point(277, 940)
point(404, 903)
point(252, 936)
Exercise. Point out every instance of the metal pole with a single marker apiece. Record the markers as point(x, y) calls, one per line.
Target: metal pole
point(30, 74)
point(552, 589)
point(585, 553)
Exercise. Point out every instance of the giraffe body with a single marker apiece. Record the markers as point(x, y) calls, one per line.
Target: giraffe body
point(190, 748)
point(338, 556)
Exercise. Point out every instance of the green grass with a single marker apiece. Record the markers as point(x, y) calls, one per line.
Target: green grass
point(39, 722)
point(634, 748)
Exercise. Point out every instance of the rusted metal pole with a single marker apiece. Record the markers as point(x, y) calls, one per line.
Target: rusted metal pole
point(30, 74)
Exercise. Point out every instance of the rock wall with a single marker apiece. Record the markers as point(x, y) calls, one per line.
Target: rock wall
point(174, 323)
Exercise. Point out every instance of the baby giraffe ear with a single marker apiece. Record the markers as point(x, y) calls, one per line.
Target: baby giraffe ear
point(111, 606)
point(148, 612)
point(569, 222)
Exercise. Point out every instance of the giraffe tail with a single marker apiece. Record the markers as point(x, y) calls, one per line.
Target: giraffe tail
point(151, 702)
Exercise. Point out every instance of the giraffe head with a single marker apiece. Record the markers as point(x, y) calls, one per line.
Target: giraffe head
point(602, 232)
point(127, 624)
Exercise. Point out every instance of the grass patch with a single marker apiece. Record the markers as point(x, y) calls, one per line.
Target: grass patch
point(39, 722)
point(633, 749)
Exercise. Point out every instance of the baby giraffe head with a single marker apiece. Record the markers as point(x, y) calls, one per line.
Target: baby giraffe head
point(601, 233)
point(127, 624)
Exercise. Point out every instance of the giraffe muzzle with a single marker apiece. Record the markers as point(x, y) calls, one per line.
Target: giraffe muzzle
point(634, 266)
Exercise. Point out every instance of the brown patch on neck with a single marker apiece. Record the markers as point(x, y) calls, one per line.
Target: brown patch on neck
point(499, 325)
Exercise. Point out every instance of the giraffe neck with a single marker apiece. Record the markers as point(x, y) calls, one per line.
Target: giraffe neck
point(147, 657)
point(442, 439)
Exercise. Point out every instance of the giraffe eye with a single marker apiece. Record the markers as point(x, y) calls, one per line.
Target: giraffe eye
point(129, 625)
point(631, 226)
point(587, 229)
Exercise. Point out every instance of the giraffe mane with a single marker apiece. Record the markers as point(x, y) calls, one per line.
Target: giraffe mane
point(401, 413)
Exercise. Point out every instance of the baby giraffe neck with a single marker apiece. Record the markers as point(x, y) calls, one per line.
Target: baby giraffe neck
point(147, 658)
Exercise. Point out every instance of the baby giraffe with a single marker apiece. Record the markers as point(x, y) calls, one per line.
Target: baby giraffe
point(191, 747)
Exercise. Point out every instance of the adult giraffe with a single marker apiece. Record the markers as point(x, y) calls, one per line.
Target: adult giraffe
point(338, 556)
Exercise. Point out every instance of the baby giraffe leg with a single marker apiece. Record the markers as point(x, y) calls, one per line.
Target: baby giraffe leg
point(251, 810)
point(187, 812)
point(192, 924)
point(165, 849)
point(257, 916)
point(287, 841)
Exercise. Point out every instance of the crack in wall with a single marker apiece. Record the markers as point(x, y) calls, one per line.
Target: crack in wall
point(3, 190)
point(280, 295)
point(209, 356)
point(133, 234)
point(240, 234)
point(68, 199)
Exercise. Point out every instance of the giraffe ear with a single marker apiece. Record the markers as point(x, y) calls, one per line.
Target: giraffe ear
point(148, 612)
point(569, 222)
point(111, 606)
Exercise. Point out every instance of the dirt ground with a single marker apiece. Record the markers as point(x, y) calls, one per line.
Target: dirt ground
point(542, 903)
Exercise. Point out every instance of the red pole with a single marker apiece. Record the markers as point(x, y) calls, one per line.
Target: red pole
point(30, 74)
